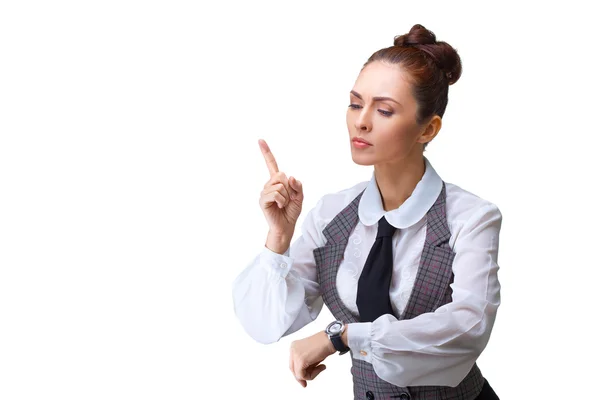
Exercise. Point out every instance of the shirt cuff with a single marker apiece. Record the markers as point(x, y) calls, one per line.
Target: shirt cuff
point(359, 340)
point(279, 264)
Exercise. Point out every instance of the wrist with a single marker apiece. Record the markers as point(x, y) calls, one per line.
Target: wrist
point(278, 242)
point(335, 331)
point(329, 344)
point(345, 335)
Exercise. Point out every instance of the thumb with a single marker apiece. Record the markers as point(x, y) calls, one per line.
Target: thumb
point(296, 184)
point(317, 370)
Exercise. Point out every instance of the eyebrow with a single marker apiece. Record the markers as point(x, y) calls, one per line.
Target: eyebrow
point(378, 98)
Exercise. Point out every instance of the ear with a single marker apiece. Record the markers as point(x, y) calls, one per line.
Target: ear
point(431, 129)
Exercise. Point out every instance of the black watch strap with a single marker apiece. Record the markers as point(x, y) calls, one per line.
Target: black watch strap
point(339, 345)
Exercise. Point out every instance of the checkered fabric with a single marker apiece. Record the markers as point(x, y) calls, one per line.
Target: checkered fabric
point(431, 290)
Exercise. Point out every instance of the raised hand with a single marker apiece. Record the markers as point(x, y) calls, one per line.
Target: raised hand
point(281, 198)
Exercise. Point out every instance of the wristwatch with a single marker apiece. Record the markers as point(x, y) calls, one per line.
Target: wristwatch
point(334, 331)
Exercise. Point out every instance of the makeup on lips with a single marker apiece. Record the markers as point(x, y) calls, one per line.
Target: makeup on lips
point(360, 144)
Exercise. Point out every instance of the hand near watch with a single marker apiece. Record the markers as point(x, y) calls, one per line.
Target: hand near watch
point(307, 354)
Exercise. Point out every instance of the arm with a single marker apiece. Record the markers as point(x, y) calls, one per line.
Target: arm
point(277, 294)
point(439, 348)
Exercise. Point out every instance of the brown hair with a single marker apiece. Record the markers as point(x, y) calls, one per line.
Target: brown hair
point(432, 65)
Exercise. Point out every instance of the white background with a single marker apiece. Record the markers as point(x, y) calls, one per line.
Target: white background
point(130, 171)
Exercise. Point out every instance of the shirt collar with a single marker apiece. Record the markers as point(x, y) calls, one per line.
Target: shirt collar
point(370, 207)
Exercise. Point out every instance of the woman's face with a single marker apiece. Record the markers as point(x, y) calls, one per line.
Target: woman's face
point(382, 112)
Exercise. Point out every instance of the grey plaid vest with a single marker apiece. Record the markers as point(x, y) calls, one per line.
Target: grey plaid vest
point(431, 290)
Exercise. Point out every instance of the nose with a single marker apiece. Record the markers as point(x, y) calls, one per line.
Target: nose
point(363, 121)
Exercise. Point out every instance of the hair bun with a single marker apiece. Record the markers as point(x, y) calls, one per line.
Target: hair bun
point(418, 35)
point(441, 53)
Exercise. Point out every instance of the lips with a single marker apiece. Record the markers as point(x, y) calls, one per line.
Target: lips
point(358, 140)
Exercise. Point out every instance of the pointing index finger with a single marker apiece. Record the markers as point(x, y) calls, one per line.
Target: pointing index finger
point(269, 158)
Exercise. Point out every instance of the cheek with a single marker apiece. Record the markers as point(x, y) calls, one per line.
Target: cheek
point(349, 121)
point(396, 138)
point(395, 133)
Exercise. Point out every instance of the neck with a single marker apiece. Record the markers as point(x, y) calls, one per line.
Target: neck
point(396, 181)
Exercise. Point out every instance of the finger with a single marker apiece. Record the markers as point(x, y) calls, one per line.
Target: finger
point(275, 197)
point(299, 373)
point(280, 194)
point(266, 200)
point(280, 177)
point(282, 190)
point(296, 187)
point(295, 184)
point(279, 187)
point(300, 381)
point(316, 371)
point(269, 157)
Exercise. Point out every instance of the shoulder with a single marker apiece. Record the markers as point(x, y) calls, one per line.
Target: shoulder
point(462, 202)
point(467, 211)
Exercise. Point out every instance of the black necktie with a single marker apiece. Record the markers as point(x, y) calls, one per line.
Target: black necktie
point(373, 296)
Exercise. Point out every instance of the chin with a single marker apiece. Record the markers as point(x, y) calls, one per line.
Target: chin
point(366, 161)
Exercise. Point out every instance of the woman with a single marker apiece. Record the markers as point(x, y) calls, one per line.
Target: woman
point(406, 262)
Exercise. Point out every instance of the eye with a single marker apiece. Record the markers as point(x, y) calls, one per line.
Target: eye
point(357, 106)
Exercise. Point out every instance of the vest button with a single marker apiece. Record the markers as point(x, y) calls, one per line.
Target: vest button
point(405, 396)
point(370, 395)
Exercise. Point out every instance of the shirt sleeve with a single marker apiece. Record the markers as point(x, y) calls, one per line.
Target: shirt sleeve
point(440, 348)
point(277, 294)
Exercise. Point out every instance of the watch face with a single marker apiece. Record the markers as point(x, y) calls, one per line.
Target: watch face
point(334, 328)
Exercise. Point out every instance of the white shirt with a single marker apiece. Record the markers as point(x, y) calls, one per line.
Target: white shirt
point(277, 294)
